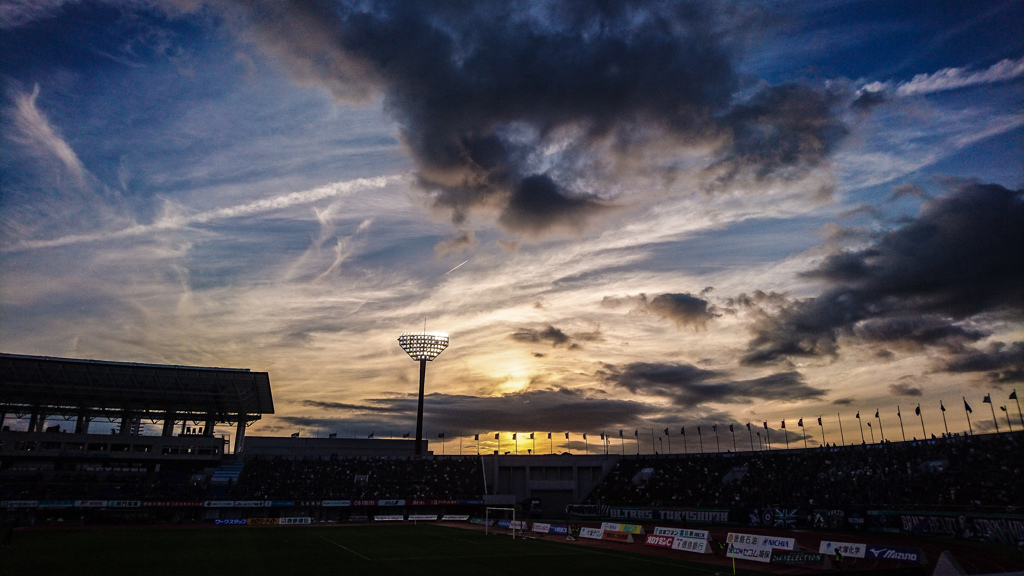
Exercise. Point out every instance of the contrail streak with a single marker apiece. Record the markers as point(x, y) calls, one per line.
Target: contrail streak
point(335, 189)
point(452, 270)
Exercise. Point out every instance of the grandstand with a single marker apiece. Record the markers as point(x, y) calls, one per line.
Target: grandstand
point(956, 486)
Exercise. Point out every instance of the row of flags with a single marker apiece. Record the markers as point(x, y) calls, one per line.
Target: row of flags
point(800, 423)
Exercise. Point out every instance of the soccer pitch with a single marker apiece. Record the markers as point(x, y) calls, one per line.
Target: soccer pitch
point(366, 550)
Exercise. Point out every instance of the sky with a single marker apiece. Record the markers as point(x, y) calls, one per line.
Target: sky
point(642, 216)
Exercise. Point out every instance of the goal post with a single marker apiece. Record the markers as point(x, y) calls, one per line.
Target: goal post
point(495, 514)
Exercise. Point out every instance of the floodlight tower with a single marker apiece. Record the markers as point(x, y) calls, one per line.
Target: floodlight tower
point(422, 346)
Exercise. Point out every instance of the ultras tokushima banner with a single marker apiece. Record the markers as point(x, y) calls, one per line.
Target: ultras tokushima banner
point(638, 514)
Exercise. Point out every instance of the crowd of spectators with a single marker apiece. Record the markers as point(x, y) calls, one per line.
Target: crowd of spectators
point(956, 472)
point(261, 479)
point(359, 479)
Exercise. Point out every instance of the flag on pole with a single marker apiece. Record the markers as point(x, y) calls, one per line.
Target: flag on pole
point(406, 435)
point(549, 435)
point(371, 435)
point(748, 426)
point(620, 432)
point(858, 415)
point(513, 435)
point(800, 423)
point(496, 435)
point(819, 420)
point(941, 407)
point(917, 410)
point(441, 435)
point(967, 407)
point(584, 435)
point(1013, 395)
point(987, 400)
point(476, 436)
point(295, 434)
point(876, 413)
point(898, 415)
point(714, 427)
point(730, 428)
point(1003, 408)
point(783, 424)
point(531, 436)
point(765, 424)
point(666, 431)
point(682, 430)
point(635, 433)
point(602, 435)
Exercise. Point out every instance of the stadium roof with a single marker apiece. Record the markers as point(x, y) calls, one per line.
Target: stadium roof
point(62, 383)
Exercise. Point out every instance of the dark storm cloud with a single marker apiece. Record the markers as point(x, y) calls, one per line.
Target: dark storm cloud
point(903, 389)
point(683, 308)
point(688, 385)
point(534, 409)
point(916, 283)
point(533, 110)
point(1002, 362)
point(553, 335)
point(843, 401)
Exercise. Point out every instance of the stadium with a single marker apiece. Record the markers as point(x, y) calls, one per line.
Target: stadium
point(949, 505)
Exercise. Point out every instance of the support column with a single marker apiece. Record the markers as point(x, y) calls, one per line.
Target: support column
point(210, 422)
point(126, 423)
point(33, 420)
point(168, 424)
point(82, 423)
point(3, 416)
point(240, 434)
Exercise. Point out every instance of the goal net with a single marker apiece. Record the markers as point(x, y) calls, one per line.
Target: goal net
point(498, 520)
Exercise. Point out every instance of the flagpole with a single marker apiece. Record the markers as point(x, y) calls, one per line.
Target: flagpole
point(924, 434)
point(967, 412)
point(880, 429)
point(988, 399)
point(767, 436)
point(1019, 414)
point(751, 435)
point(943, 409)
point(900, 416)
point(822, 430)
point(669, 436)
point(785, 434)
point(653, 449)
point(841, 437)
point(803, 432)
point(861, 424)
point(1003, 408)
point(682, 431)
point(701, 439)
point(622, 443)
point(733, 431)
point(872, 430)
point(718, 446)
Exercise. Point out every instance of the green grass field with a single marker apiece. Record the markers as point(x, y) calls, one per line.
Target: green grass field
point(307, 551)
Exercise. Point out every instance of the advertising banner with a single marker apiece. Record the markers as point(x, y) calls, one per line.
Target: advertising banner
point(281, 503)
point(422, 517)
point(336, 503)
point(66, 503)
point(20, 503)
point(660, 541)
point(788, 558)
point(691, 545)
point(898, 553)
point(251, 504)
point(124, 503)
point(558, 529)
point(291, 521)
point(263, 521)
point(617, 536)
point(364, 502)
point(1002, 528)
point(229, 522)
point(388, 518)
point(541, 527)
point(592, 533)
point(86, 504)
point(848, 549)
point(455, 517)
point(390, 502)
point(683, 533)
point(749, 552)
point(631, 528)
point(761, 541)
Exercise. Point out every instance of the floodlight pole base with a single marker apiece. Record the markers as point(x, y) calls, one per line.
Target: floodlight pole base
point(419, 410)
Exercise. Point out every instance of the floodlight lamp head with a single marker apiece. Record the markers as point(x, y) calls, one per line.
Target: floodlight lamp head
point(423, 345)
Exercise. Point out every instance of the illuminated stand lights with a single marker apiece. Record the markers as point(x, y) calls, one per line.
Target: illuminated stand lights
point(422, 346)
